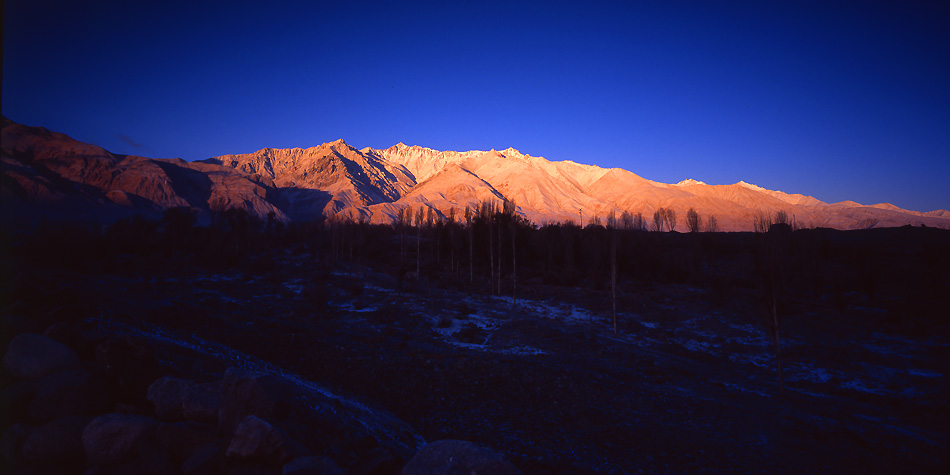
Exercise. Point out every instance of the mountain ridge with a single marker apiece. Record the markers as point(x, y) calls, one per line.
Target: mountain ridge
point(46, 171)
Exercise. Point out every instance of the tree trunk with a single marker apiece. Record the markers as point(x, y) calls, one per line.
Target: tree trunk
point(491, 253)
point(514, 266)
point(471, 256)
point(775, 338)
point(613, 275)
point(498, 287)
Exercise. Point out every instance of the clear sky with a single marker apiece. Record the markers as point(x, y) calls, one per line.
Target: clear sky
point(835, 100)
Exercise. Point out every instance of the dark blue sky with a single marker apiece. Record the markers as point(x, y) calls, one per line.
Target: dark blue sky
point(834, 100)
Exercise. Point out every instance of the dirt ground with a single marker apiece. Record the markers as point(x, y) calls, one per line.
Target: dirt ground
point(688, 384)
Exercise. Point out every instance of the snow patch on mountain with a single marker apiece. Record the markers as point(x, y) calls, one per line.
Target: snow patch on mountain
point(690, 182)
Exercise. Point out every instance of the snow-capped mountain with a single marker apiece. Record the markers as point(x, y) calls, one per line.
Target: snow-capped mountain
point(47, 172)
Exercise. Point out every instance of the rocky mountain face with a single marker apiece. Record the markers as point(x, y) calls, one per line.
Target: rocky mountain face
point(49, 174)
point(547, 191)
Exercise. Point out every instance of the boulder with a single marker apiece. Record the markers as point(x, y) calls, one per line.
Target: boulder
point(11, 444)
point(202, 403)
point(155, 458)
point(63, 333)
point(376, 461)
point(206, 459)
point(183, 438)
point(15, 401)
point(166, 394)
point(78, 391)
point(115, 438)
point(176, 399)
point(58, 441)
point(131, 363)
point(457, 457)
point(259, 440)
point(244, 394)
point(32, 356)
point(311, 466)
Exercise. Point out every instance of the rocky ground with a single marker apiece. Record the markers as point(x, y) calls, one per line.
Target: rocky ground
point(688, 384)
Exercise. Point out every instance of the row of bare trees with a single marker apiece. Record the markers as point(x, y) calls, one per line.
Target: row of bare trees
point(665, 219)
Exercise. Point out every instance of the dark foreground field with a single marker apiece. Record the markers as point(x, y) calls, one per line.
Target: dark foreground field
point(688, 383)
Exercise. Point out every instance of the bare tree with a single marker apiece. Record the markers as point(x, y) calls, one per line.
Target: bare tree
point(612, 221)
point(761, 222)
point(469, 215)
point(671, 219)
point(639, 223)
point(712, 226)
point(626, 220)
point(659, 217)
point(420, 215)
point(775, 244)
point(491, 245)
point(514, 259)
point(692, 220)
point(781, 217)
point(613, 274)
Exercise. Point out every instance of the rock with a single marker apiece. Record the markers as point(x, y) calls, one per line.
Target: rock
point(79, 391)
point(63, 333)
point(202, 403)
point(259, 440)
point(87, 342)
point(176, 399)
point(251, 468)
point(14, 324)
point(377, 461)
point(470, 333)
point(183, 438)
point(131, 363)
point(361, 442)
point(312, 466)
point(457, 457)
point(57, 441)
point(155, 458)
point(133, 408)
point(32, 356)
point(166, 394)
point(15, 401)
point(115, 438)
point(11, 444)
point(244, 394)
point(207, 459)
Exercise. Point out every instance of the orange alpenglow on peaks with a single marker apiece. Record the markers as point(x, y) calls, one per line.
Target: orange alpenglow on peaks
point(335, 179)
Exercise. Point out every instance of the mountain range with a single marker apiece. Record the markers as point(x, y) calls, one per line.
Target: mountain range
point(48, 175)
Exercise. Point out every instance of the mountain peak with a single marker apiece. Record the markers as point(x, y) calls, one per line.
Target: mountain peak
point(690, 182)
point(337, 143)
point(750, 186)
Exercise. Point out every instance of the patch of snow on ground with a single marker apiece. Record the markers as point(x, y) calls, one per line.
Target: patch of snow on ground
point(807, 372)
point(522, 350)
point(701, 346)
point(294, 285)
point(648, 324)
point(562, 312)
point(762, 360)
point(859, 385)
point(349, 307)
point(370, 418)
point(215, 278)
point(374, 288)
point(925, 373)
point(484, 323)
point(736, 387)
